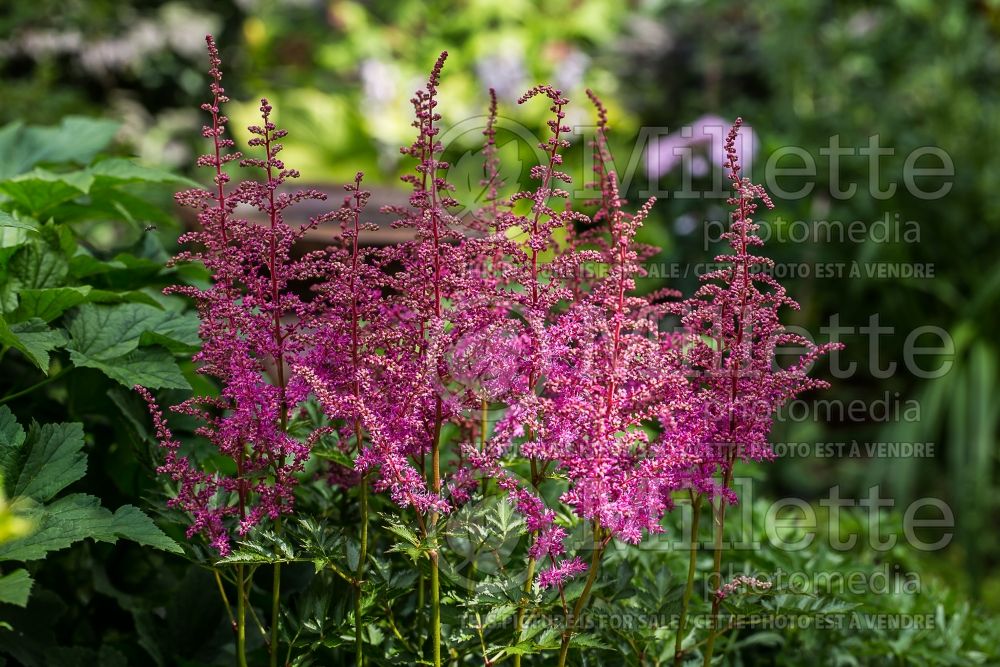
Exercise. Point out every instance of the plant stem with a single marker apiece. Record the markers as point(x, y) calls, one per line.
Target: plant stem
point(689, 586)
point(435, 574)
point(275, 614)
point(522, 607)
point(37, 385)
point(225, 598)
point(241, 617)
point(595, 564)
point(362, 556)
point(435, 609)
point(716, 578)
point(279, 362)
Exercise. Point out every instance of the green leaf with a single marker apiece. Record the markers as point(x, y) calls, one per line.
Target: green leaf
point(150, 367)
point(402, 531)
point(78, 517)
point(263, 547)
point(11, 438)
point(49, 303)
point(83, 265)
point(126, 296)
point(124, 271)
point(76, 139)
point(33, 338)
point(11, 240)
point(15, 587)
point(7, 220)
point(8, 297)
point(108, 338)
point(115, 171)
point(67, 520)
point(176, 331)
point(584, 640)
point(11, 432)
point(40, 190)
point(36, 266)
point(334, 454)
point(107, 332)
point(130, 523)
point(48, 460)
point(117, 204)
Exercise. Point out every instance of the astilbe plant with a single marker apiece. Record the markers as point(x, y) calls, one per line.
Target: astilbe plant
point(253, 330)
point(735, 334)
point(527, 307)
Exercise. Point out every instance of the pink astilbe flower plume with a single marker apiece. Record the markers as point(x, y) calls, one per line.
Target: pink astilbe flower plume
point(610, 371)
point(399, 390)
point(252, 333)
point(734, 330)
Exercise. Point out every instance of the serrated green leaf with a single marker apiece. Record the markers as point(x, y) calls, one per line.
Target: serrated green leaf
point(15, 587)
point(586, 640)
point(11, 432)
point(178, 332)
point(48, 303)
point(60, 524)
point(335, 455)
point(115, 171)
point(41, 190)
point(154, 368)
point(78, 517)
point(32, 338)
point(48, 460)
point(107, 332)
point(8, 220)
point(499, 614)
point(37, 266)
point(130, 523)
point(108, 338)
point(403, 532)
point(265, 547)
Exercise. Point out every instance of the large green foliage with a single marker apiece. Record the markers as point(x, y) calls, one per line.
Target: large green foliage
point(82, 320)
point(37, 465)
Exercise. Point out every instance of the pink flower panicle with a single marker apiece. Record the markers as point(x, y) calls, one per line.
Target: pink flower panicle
point(558, 574)
point(609, 372)
point(253, 332)
point(734, 331)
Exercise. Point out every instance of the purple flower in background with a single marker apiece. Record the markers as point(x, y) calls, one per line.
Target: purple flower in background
point(701, 142)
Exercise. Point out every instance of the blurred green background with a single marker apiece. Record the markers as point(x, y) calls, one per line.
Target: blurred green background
point(915, 72)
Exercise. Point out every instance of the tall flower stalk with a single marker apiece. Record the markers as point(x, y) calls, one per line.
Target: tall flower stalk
point(735, 329)
point(252, 333)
